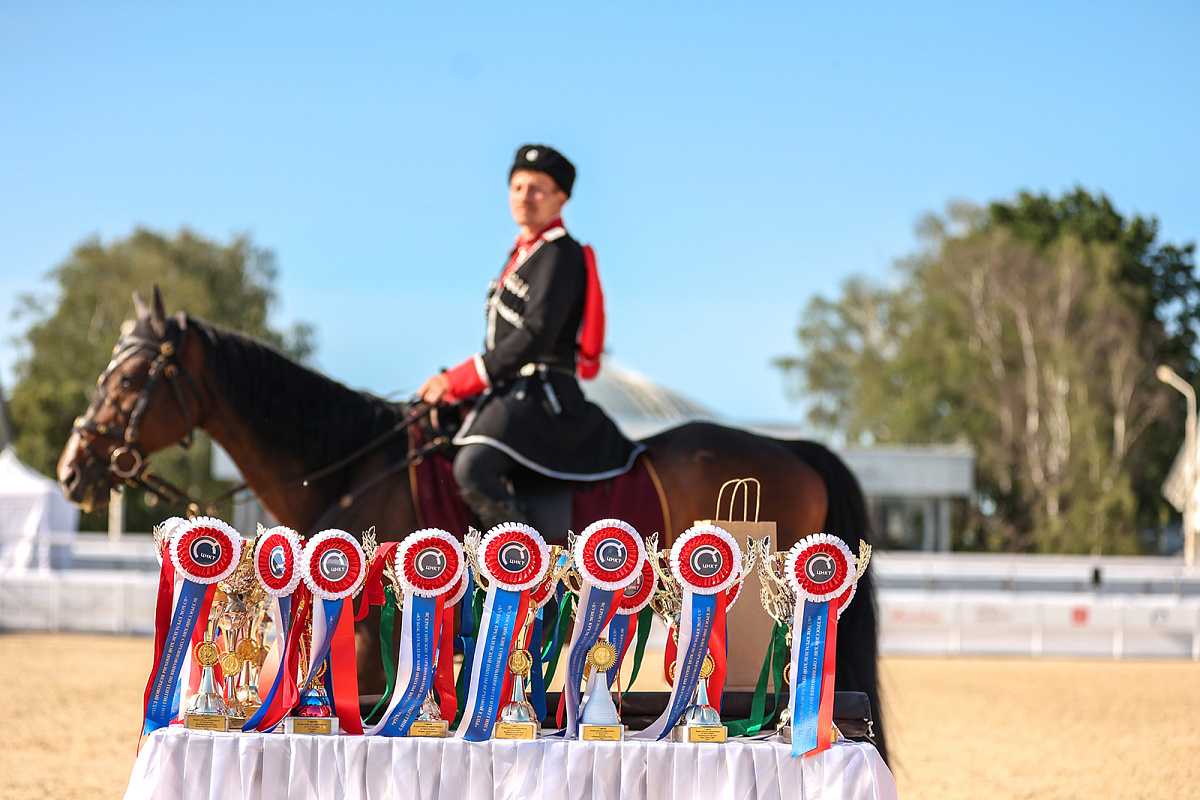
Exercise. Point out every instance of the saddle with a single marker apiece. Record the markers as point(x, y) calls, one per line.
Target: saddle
point(553, 506)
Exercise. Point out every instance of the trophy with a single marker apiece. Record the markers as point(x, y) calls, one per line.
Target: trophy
point(608, 558)
point(707, 558)
point(779, 601)
point(518, 718)
point(333, 567)
point(207, 710)
point(425, 571)
point(513, 564)
point(817, 578)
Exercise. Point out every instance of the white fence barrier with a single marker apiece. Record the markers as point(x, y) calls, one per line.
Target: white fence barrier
point(929, 604)
point(989, 623)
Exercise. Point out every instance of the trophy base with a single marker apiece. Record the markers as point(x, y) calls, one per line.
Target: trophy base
point(430, 729)
point(314, 726)
point(601, 733)
point(696, 734)
point(236, 723)
point(206, 722)
point(515, 730)
point(785, 734)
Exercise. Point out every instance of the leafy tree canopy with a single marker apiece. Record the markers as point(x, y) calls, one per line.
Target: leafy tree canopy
point(73, 327)
point(1029, 329)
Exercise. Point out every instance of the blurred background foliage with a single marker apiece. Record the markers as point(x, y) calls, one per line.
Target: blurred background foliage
point(72, 329)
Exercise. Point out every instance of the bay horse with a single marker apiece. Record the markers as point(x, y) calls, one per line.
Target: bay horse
point(318, 454)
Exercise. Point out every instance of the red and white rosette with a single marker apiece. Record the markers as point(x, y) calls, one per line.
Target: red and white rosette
point(430, 563)
point(205, 550)
point(514, 557)
point(820, 568)
point(277, 556)
point(332, 565)
point(609, 554)
point(638, 593)
point(706, 559)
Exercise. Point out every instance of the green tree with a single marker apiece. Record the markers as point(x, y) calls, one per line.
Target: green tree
point(1031, 330)
point(72, 330)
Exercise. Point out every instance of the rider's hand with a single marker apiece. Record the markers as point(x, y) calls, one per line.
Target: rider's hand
point(434, 389)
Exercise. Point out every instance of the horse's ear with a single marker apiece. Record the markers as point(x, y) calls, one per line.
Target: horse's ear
point(139, 306)
point(158, 316)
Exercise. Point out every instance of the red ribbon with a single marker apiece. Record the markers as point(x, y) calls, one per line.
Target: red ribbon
point(288, 693)
point(717, 649)
point(825, 710)
point(343, 665)
point(443, 677)
point(373, 584)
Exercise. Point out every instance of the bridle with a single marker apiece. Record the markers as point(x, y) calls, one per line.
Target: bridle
point(130, 464)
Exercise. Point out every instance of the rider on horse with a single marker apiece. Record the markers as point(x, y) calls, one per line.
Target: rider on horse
point(545, 325)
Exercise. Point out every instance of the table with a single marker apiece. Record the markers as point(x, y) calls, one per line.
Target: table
point(200, 765)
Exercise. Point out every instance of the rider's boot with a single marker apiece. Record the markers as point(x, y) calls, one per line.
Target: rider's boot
point(493, 512)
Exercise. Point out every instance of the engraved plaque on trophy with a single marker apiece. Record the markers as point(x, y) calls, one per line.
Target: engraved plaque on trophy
point(207, 710)
point(600, 721)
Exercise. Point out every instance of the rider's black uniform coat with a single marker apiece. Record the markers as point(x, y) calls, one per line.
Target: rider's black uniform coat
point(535, 410)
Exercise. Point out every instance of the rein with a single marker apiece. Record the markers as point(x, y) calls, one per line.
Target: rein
point(131, 465)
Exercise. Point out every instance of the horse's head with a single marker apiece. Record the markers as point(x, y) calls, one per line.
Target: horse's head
point(145, 401)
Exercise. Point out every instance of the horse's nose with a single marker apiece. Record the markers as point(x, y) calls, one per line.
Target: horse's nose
point(69, 479)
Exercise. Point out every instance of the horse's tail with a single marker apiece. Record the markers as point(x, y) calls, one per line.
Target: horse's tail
point(847, 519)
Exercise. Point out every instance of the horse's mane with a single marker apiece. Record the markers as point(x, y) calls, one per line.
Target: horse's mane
point(302, 413)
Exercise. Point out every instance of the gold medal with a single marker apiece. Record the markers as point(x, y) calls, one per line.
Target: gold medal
point(787, 673)
point(207, 654)
point(706, 669)
point(602, 656)
point(230, 663)
point(520, 662)
point(246, 650)
point(671, 671)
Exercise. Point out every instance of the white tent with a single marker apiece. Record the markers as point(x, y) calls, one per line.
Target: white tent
point(34, 515)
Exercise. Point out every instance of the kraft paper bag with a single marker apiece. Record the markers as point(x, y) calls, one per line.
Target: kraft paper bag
point(748, 625)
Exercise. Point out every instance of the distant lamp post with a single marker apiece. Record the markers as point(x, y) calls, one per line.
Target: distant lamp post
point(1171, 378)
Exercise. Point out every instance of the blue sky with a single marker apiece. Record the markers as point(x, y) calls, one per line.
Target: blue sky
point(734, 158)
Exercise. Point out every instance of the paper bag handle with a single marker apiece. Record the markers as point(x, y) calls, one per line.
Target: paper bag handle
point(742, 485)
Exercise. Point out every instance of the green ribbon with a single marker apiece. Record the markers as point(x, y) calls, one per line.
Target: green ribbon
point(564, 621)
point(773, 664)
point(645, 619)
point(387, 627)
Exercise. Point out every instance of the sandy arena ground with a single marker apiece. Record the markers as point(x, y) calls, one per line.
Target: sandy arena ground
point(964, 728)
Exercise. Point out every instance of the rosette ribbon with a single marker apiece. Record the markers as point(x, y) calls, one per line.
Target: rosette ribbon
point(820, 569)
point(514, 559)
point(333, 568)
point(706, 561)
point(429, 564)
point(277, 567)
point(201, 552)
point(609, 556)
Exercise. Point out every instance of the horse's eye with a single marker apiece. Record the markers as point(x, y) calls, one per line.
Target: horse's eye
point(126, 381)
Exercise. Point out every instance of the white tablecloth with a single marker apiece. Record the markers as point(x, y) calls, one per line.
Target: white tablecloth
point(198, 765)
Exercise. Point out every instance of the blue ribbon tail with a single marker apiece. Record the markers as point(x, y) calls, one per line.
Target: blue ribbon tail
point(807, 685)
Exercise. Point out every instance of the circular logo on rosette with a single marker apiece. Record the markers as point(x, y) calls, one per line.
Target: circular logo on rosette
point(515, 556)
point(706, 559)
point(819, 567)
point(332, 565)
point(430, 562)
point(205, 550)
point(639, 591)
point(609, 554)
point(277, 560)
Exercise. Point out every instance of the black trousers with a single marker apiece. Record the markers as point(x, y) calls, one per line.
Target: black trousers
point(480, 472)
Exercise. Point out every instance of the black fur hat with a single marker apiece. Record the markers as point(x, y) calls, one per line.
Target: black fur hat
point(545, 159)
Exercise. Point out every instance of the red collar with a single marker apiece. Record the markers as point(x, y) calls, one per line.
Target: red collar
point(555, 222)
